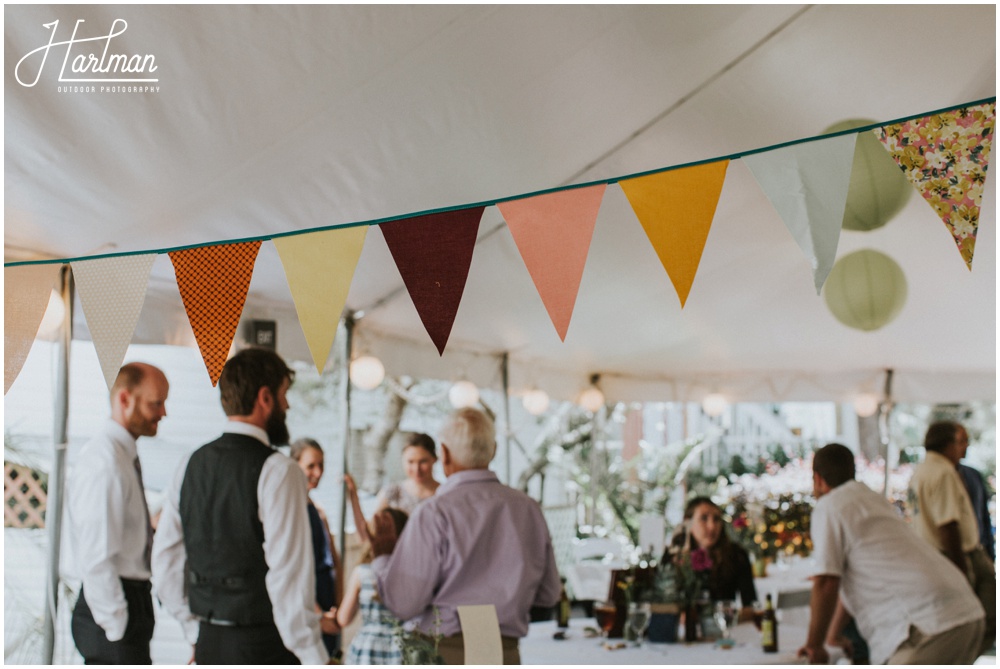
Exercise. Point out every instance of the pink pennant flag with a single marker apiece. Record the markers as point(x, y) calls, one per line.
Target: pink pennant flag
point(553, 234)
point(945, 157)
point(26, 291)
point(433, 254)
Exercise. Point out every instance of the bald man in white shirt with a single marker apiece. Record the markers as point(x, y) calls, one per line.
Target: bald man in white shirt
point(110, 526)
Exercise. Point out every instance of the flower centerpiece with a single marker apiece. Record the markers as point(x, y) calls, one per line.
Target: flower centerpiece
point(679, 581)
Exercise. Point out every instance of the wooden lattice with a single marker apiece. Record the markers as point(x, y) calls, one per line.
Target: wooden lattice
point(24, 496)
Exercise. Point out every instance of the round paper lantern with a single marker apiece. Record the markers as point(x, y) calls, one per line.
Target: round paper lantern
point(866, 290)
point(714, 404)
point(591, 399)
point(536, 402)
point(878, 189)
point(866, 405)
point(463, 394)
point(367, 372)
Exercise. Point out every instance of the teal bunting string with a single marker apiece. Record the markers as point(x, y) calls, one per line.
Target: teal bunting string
point(490, 203)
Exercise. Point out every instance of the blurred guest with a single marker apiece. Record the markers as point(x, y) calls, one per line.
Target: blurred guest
point(309, 454)
point(944, 517)
point(909, 604)
point(730, 572)
point(375, 642)
point(476, 541)
point(419, 456)
point(110, 525)
point(979, 495)
point(230, 558)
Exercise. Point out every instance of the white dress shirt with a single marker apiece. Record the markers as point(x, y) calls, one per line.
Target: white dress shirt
point(290, 579)
point(108, 521)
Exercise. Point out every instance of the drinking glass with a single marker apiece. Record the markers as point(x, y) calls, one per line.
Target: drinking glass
point(638, 620)
point(725, 614)
point(605, 614)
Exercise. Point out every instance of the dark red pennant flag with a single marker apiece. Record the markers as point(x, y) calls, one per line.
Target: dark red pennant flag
point(433, 254)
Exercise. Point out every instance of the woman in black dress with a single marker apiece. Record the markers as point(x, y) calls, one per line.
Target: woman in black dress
point(730, 571)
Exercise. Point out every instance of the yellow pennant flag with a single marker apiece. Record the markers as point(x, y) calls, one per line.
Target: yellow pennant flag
point(676, 209)
point(319, 267)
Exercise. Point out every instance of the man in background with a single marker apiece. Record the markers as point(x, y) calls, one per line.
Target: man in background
point(232, 559)
point(110, 525)
point(910, 605)
point(943, 514)
point(476, 541)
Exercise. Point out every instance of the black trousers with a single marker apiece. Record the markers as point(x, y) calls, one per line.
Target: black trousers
point(133, 648)
point(257, 644)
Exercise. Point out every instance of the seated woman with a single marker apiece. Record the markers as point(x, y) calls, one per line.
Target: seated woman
point(419, 456)
point(730, 571)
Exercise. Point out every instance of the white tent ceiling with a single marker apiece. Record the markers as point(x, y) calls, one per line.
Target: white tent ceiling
point(275, 118)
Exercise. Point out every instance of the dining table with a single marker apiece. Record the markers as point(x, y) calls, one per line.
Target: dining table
point(541, 645)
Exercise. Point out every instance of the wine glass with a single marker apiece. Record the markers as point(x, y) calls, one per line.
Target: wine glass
point(605, 614)
point(725, 613)
point(638, 620)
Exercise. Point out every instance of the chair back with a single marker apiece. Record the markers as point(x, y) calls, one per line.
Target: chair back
point(481, 634)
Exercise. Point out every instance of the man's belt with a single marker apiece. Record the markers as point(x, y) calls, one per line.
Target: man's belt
point(216, 621)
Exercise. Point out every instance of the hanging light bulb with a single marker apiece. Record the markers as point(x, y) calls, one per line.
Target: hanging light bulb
point(53, 318)
point(866, 404)
point(714, 404)
point(591, 399)
point(536, 402)
point(367, 372)
point(463, 394)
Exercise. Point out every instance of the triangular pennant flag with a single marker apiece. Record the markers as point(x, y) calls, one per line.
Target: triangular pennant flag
point(945, 156)
point(807, 184)
point(112, 291)
point(26, 291)
point(433, 254)
point(319, 267)
point(213, 282)
point(553, 233)
point(676, 209)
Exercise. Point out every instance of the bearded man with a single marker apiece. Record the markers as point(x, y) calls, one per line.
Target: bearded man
point(231, 559)
point(110, 525)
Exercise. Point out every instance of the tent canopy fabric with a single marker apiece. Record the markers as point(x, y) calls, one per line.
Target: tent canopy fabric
point(270, 119)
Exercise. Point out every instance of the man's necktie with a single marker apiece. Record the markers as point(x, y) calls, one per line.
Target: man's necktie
point(148, 552)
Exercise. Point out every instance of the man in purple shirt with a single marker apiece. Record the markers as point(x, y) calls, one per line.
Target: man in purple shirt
point(476, 541)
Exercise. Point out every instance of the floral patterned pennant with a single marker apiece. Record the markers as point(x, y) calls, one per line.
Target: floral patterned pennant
point(945, 156)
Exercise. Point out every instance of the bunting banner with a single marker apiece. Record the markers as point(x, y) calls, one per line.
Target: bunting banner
point(945, 157)
point(676, 209)
point(319, 267)
point(112, 291)
point(213, 282)
point(26, 291)
point(807, 184)
point(553, 234)
point(433, 253)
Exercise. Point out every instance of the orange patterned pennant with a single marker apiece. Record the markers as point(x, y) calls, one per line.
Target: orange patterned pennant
point(213, 282)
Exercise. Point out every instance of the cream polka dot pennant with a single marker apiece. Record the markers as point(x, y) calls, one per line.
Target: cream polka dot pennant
point(112, 291)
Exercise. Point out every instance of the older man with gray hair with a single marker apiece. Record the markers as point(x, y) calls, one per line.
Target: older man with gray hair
point(476, 541)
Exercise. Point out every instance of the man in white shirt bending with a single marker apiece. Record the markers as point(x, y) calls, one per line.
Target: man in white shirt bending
point(110, 526)
point(910, 604)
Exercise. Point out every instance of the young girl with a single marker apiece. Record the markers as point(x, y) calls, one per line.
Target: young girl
point(375, 642)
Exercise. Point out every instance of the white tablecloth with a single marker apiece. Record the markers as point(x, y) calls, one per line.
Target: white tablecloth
point(540, 648)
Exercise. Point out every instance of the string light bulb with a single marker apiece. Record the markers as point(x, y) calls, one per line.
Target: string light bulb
point(367, 372)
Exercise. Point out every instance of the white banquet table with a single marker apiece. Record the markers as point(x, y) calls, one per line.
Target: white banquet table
point(540, 648)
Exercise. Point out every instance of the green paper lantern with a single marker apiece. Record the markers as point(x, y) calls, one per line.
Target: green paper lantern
point(866, 290)
point(878, 189)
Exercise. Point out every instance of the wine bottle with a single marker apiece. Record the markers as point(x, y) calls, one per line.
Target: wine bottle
point(564, 606)
point(769, 628)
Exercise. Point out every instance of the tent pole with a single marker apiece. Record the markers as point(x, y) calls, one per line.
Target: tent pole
point(345, 396)
point(505, 380)
point(885, 409)
point(57, 475)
